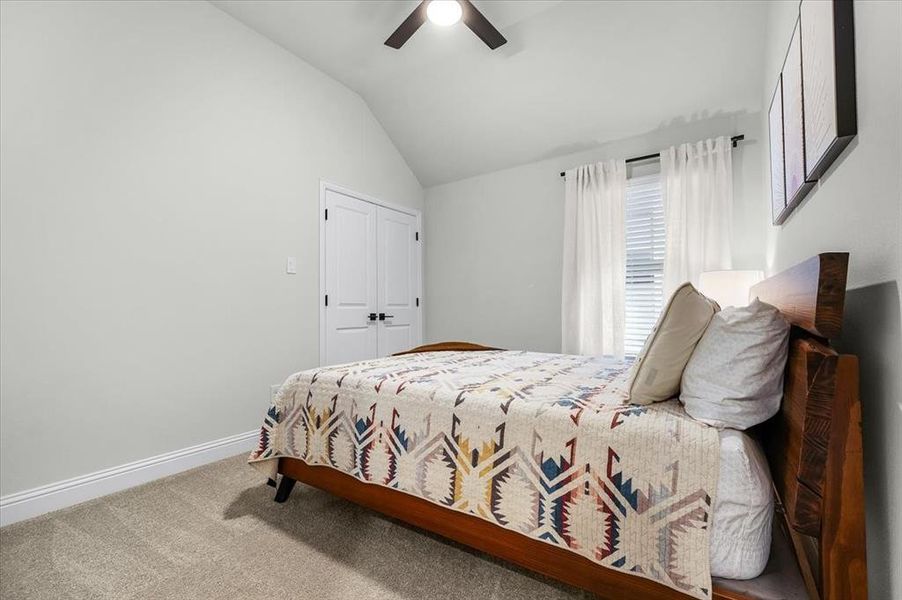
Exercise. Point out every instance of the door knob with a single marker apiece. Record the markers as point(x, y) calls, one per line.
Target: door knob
point(383, 316)
point(371, 316)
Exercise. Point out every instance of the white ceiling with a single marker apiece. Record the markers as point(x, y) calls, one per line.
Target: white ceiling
point(572, 75)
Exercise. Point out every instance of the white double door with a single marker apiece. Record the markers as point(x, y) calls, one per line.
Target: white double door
point(372, 280)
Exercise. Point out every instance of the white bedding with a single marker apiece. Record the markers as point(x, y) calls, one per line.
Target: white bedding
point(743, 509)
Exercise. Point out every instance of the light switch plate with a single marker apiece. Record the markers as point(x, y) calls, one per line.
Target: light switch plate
point(291, 266)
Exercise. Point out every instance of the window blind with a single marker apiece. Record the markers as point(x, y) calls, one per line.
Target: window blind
point(644, 259)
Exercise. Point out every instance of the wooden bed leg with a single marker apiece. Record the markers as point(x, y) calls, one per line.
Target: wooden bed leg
point(285, 487)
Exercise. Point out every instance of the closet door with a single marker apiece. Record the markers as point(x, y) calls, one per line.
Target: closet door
point(398, 281)
point(351, 266)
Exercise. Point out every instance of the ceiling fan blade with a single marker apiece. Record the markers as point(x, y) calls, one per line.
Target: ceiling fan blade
point(406, 29)
point(479, 25)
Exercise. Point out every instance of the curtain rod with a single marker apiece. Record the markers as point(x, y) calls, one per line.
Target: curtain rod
point(735, 141)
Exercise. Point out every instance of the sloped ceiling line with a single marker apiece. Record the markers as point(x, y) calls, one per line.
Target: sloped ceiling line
point(572, 73)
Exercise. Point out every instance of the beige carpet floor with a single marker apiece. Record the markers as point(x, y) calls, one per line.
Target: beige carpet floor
point(215, 532)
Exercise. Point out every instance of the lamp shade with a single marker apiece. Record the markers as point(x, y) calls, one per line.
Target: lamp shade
point(729, 288)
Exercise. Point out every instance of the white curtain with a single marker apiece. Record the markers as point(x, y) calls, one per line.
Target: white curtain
point(697, 190)
point(594, 280)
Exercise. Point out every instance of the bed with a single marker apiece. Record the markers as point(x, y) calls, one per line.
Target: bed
point(537, 459)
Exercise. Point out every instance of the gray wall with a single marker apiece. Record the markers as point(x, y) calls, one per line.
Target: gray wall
point(858, 208)
point(159, 162)
point(493, 243)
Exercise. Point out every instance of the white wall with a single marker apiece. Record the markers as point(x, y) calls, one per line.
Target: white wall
point(494, 242)
point(159, 162)
point(858, 208)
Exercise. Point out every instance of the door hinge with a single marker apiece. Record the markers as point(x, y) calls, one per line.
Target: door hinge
point(417, 236)
point(418, 301)
point(327, 214)
point(327, 299)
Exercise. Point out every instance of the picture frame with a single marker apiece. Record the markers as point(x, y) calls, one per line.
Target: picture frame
point(797, 185)
point(777, 167)
point(828, 81)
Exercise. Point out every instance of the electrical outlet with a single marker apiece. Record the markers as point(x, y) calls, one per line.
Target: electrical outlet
point(273, 392)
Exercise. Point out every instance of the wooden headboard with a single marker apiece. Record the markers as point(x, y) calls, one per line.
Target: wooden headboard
point(814, 443)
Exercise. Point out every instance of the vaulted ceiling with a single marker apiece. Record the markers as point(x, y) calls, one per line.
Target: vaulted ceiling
point(572, 75)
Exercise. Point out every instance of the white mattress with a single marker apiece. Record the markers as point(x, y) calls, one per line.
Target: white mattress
point(743, 509)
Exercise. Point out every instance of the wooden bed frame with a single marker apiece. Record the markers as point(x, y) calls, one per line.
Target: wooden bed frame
point(813, 446)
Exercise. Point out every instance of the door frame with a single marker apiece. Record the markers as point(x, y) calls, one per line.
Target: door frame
point(325, 186)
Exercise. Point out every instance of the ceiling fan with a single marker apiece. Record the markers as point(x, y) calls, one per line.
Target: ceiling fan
point(445, 13)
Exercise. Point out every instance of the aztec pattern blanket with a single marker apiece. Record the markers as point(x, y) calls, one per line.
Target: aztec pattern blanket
point(542, 444)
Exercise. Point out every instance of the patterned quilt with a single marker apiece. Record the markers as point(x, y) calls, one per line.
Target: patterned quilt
point(542, 444)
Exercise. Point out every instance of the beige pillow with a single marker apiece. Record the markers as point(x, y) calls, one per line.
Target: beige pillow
point(656, 374)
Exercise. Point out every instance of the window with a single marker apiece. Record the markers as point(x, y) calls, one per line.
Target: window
point(644, 259)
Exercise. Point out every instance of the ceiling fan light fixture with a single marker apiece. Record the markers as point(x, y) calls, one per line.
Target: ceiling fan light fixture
point(444, 12)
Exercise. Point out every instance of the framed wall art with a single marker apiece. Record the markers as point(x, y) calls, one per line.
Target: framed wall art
point(777, 171)
point(813, 112)
point(797, 186)
point(828, 80)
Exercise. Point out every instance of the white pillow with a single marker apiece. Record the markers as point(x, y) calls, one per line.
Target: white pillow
point(655, 375)
point(735, 376)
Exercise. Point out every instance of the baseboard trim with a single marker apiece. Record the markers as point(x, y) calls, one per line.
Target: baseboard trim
point(37, 501)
